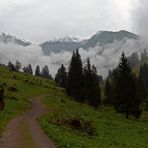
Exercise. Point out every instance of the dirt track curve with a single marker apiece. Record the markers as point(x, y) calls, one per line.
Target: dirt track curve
point(25, 132)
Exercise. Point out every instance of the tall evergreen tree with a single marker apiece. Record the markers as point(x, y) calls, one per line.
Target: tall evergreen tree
point(96, 91)
point(126, 90)
point(45, 72)
point(91, 85)
point(61, 77)
point(108, 93)
point(11, 66)
point(75, 77)
point(143, 74)
point(37, 71)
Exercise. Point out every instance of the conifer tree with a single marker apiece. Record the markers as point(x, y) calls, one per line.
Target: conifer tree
point(28, 69)
point(91, 85)
point(75, 77)
point(45, 73)
point(108, 93)
point(126, 91)
point(143, 74)
point(61, 77)
point(11, 66)
point(37, 71)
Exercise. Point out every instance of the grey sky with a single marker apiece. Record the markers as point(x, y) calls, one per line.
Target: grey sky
point(41, 20)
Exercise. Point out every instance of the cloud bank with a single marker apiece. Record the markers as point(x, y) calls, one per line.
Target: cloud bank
point(103, 57)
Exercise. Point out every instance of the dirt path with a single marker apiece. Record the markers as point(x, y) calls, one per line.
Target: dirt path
point(25, 132)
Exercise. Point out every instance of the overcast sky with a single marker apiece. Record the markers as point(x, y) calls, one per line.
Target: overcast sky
point(42, 20)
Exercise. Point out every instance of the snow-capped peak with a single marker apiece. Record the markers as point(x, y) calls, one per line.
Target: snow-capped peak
point(7, 38)
point(68, 39)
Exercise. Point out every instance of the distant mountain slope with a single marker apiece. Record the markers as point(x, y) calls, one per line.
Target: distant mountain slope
point(106, 37)
point(67, 43)
point(7, 38)
point(101, 38)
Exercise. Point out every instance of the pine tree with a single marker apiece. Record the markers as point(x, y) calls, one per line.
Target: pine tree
point(96, 91)
point(143, 74)
point(91, 85)
point(61, 77)
point(28, 69)
point(108, 93)
point(37, 71)
point(75, 77)
point(45, 72)
point(11, 66)
point(126, 91)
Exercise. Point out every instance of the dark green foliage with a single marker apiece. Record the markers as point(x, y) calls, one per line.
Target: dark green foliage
point(28, 69)
point(61, 77)
point(45, 72)
point(37, 71)
point(143, 74)
point(2, 93)
point(75, 77)
point(127, 100)
point(108, 93)
point(91, 85)
point(133, 59)
point(11, 66)
point(83, 84)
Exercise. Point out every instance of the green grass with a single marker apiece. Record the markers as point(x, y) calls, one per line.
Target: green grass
point(112, 129)
point(27, 87)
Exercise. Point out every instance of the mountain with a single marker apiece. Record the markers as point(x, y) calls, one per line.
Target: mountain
point(7, 38)
point(101, 38)
point(57, 45)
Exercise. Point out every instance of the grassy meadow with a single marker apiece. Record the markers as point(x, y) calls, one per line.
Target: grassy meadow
point(71, 124)
point(19, 89)
point(98, 129)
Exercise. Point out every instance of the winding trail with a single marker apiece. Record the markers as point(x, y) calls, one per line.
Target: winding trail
point(24, 130)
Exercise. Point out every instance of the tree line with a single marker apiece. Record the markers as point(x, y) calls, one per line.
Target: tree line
point(123, 90)
point(28, 69)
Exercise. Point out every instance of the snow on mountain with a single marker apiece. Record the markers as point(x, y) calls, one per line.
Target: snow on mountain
point(8, 38)
point(101, 37)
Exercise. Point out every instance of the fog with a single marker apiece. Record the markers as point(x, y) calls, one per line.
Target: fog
point(103, 57)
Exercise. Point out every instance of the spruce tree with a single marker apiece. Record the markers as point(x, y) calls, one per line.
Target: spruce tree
point(126, 100)
point(96, 91)
point(45, 72)
point(28, 69)
point(91, 85)
point(75, 77)
point(37, 71)
point(61, 77)
point(11, 66)
point(108, 93)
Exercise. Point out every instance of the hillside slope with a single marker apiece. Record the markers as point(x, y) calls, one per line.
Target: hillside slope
point(71, 124)
point(19, 89)
point(76, 125)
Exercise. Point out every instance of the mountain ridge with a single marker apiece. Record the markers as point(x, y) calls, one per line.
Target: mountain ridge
point(101, 37)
